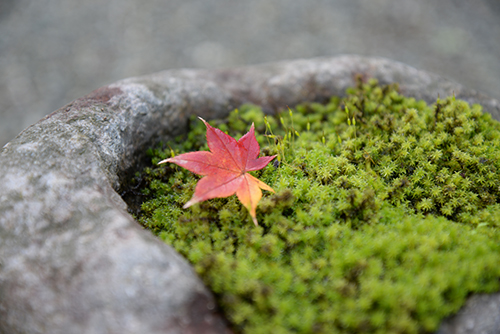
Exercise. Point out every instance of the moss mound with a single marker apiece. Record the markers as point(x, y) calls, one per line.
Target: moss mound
point(385, 217)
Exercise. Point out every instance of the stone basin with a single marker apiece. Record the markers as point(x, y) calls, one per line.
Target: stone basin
point(73, 260)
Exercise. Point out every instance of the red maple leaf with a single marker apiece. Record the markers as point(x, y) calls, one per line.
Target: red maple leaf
point(225, 168)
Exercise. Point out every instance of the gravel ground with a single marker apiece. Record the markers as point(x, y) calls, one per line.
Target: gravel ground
point(54, 51)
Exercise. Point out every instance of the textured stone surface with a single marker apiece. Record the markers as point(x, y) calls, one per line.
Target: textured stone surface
point(72, 260)
point(480, 315)
point(54, 51)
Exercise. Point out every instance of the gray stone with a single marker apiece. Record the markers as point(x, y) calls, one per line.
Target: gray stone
point(72, 260)
point(54, 51)
point(480, 315)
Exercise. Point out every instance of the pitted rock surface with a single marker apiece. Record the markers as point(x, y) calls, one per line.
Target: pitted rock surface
point(480, 315)
point(72, 260)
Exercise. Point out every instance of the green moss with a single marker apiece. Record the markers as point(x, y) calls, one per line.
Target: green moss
point(385, 216)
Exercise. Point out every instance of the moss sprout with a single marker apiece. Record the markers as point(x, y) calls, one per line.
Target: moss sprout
point(385, 216)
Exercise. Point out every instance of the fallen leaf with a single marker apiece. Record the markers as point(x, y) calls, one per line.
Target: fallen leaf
point(225, 168)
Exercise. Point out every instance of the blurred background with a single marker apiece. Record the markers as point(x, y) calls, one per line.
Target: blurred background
point(54, 51)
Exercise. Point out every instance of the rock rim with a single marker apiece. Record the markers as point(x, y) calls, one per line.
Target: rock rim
point(73, 260)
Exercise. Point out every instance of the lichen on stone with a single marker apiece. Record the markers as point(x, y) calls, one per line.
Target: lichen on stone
point(385, 216)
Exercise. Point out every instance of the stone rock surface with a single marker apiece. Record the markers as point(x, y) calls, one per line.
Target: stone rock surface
point(481, 315)
point(72, 260)
point(54, 51)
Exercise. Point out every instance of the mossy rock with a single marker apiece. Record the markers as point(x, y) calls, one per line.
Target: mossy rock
point(385, 216)
point(73, 260)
